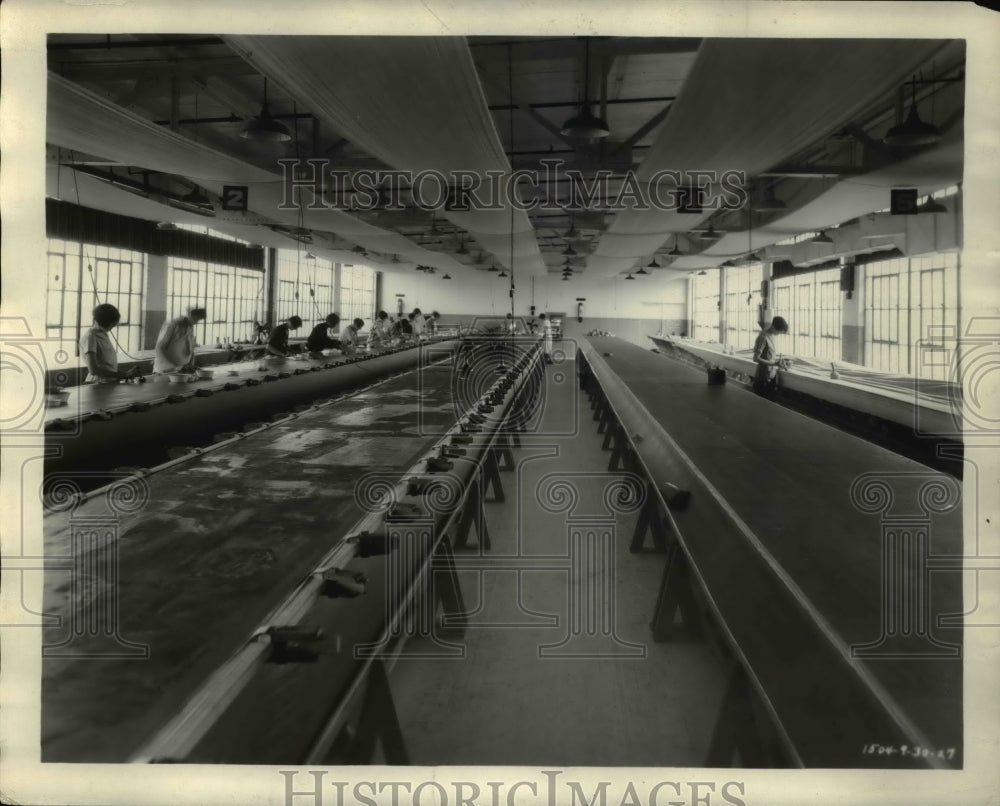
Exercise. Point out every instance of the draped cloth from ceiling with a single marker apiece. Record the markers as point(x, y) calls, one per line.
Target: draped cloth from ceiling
point(415, 103)
point(749, 104)
point(80, 120)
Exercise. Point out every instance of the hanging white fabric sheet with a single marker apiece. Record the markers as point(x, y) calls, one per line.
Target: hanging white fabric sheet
point(815, 207)
point(88, 191)
point(80, 120)
point(415, 103)
point(748, 104)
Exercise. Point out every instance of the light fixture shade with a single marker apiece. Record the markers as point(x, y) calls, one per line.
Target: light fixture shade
point(493, 267)
point(709, 235)
point(728, 264)
point(566, 278)
point(446, 277)
point(569, 251)
point(265, 129)
point(196, 197)
point(652, 264)
point(822, 238)
point(585, 125)
point(630, 277)
point(912, 132)
point(675, 252)
point(461, 249)
point(395, 259)
point(642, 271)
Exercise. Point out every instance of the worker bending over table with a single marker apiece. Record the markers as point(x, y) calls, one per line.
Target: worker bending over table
point(97, 351)
point(765, 355)
point(320, 338)
point(175, 344)
point(381, 330)
point(349, 340)
point(277, 344)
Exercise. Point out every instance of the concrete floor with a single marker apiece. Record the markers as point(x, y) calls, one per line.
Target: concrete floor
point(516, 698)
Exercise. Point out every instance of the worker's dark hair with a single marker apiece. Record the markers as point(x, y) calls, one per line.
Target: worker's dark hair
point(541, 316)
point(106, 315)
point(294, 321)
point(435, 314)
point(359, 323)
point(779, 324)
point(383, 315)
point(412, 316)
point(333, 319)
point(417, 311)
point(198, 313)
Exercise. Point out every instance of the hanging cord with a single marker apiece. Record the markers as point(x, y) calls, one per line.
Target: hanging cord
point(300, 218)
point(118, 344)
point(510, 129)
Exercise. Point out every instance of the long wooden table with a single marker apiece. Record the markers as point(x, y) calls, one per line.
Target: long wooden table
point(930, 407)
point(218, 541)
point(136, 425)
point(802, 535)
point(160, 583)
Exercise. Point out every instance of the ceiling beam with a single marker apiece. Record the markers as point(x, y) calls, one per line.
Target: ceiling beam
point(63, 42)
point(644, 129)
point(546, 124)
point(236, 101)
point(531, 49)
point(96, 71)
point(650, 99)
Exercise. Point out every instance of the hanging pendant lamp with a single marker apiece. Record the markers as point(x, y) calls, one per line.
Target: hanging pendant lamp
point(585, 125)
point(264, 128)
point(912, 132)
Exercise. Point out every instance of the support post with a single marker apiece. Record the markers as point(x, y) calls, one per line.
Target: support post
point(676, 595)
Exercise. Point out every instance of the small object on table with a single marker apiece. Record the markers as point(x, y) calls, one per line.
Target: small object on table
point(58, 397)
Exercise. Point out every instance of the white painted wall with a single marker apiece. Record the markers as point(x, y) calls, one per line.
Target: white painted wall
point(478, 292)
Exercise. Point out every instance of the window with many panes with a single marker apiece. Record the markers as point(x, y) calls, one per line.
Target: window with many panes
point(742, 305)
point(706, 305)
point(305, 287)
point(911, 314)
point(812, 304)
point(82, 276)
point(233, 298)
point(357, 293)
